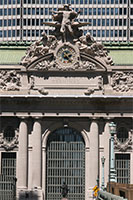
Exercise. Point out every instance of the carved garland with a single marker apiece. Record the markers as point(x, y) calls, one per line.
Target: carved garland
point(125, 145)
point(9, 145)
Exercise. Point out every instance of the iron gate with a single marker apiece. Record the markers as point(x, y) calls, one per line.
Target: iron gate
point(65, 163)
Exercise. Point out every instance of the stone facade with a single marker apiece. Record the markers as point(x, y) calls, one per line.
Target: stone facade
point(64, 78)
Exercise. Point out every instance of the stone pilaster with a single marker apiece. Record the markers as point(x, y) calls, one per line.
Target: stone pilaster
point(37, 154)
point(22, 165)
point(94, 155)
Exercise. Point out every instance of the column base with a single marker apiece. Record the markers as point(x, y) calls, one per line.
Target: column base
point(35, 194)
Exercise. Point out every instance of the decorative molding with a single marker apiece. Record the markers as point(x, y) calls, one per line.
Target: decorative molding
point(8, 146)
point(9, 80)
point(122, 81)
point(123, 146)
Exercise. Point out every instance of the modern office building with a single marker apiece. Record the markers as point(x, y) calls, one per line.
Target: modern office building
point(111, 20)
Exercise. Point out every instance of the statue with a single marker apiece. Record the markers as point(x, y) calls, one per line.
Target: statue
point(65, 190)
point(65, 16)
point(64, 22)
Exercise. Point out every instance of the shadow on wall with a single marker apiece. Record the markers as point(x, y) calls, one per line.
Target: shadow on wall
point(28, 195)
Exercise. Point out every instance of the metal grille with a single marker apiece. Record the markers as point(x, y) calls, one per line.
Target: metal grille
point(122, 164)
point(65, 163)
point(7, 178)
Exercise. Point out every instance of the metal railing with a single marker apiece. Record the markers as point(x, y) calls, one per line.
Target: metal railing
point(108, 196)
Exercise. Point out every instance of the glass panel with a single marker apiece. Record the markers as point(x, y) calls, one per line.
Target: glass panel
point(65, 163)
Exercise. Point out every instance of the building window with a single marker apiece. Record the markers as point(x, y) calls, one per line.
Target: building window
point(9, 133)
point(5, 33)
point(13, 33)
point(122, 166)
point(0, 34)
point(131, 22)
point(9, 11)
point(5, 11)
point(9, 22)
point(131, 11)
point(5, 22)
point(122, 134)
point(14, 11)
point(8, 164)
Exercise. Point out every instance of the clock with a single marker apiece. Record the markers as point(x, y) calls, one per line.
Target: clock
point(66, 55)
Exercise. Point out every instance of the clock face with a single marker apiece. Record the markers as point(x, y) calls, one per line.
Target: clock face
point(66, 55)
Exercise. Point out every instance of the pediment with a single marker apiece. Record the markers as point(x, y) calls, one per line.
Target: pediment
point(49, 63)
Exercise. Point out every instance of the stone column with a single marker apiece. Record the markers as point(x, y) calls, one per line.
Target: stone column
point(94, 155)
point(22, 162)
point(105, 144)
point(37, 155)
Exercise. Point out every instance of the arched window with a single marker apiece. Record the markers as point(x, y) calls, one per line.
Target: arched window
point(122, 134)
point(65, 163)
point(9, 133)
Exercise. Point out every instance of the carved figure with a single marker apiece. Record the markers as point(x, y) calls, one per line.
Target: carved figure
point(65, 190)
point(65, 17)
point(39, 48)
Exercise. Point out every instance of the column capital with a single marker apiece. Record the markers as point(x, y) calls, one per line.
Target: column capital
point(23, 118)
point(37, 117)
point(94, 118)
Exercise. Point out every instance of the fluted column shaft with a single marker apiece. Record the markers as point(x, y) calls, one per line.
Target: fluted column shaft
point(37, 155)
point(23, 155)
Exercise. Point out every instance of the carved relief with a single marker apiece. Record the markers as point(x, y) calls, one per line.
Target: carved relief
point(9, 145)
point(122, 81)
point(9, 80)
point(123, 146)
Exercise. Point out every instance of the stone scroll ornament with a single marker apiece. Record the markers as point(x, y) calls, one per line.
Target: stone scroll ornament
point(9, 80)
point(9, 145)
point(68, 42)
point(122, 81)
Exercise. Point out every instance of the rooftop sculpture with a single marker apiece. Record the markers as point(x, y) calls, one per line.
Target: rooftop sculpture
point(65, 46)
